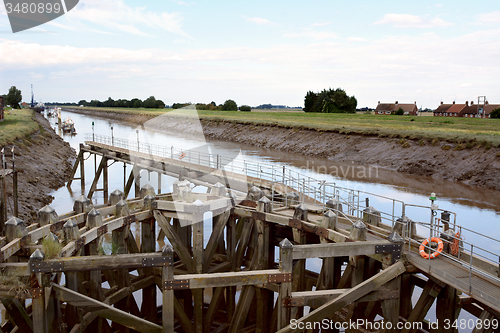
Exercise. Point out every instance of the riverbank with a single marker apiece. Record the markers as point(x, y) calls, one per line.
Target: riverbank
point(472, 163)
point(43, 160)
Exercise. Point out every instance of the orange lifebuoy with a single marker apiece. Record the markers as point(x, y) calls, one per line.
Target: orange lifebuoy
point(424, 254)
point(182, 156)
point(455, 244)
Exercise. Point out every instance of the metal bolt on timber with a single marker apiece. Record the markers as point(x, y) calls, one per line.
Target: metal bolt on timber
point(147, 189)
point(329, 220)
point(122, 209)
point(358, 231)
point(46, 215)
point(115, 197)
point(82, 205)
point(264, 205)
point(94, 219)
point(71, 231)
point(15, 228)
point(301, 212)
point(148, 202)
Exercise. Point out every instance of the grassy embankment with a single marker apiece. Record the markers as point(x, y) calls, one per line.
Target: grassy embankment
point(468, 131)
point(18, 124)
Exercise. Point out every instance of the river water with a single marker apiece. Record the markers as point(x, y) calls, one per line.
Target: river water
point(477, 209)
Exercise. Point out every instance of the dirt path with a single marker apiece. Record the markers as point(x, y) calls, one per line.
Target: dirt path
point(473, 165)
point(44, 161)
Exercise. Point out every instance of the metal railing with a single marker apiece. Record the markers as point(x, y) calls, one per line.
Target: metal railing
point(317, 193)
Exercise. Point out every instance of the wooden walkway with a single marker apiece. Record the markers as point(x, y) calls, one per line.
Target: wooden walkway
point(484, 290)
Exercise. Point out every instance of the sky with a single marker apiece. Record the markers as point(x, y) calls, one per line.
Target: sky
point(258, 52)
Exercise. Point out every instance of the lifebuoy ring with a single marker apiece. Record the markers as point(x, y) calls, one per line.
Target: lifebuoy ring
point(424, 254)
point(182, 156)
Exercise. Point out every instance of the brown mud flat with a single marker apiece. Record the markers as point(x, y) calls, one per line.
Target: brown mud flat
point(476, 166)
point(44, 162)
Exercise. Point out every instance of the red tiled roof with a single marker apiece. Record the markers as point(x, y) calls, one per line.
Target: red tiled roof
point(490, 107)
point(385, 107)
point(405, 107)
point(456, 108)
point(443, 108)
point(470, 109)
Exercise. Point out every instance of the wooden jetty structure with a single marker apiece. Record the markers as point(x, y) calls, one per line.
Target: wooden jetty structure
point(272, 252)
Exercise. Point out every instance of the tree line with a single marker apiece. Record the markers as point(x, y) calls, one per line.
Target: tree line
point(149, 103)
point(229, 105)
point(330, 101)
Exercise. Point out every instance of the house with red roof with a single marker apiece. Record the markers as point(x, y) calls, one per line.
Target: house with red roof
point(467, 110)
point(391, 108)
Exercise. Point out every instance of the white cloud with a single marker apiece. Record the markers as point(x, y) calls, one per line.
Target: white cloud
point(310, 33)
point(321, 24)
point(356, 39)
point(492, 18)
point(118, 16)
point(466, 85)
point(260, 21)
point(438, 5)
point(412, 21)
point(254, 76)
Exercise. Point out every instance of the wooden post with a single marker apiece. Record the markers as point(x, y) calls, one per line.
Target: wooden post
point(46, 215)
point(3, 206)
point(168, 294)
point(94, 219)
point(263, 295)
point(148, 244)
point(137, 181)
point(286, 264)
point(38, 301)
point(14, 184)
point(82, 169)
point(115, 197)
point(105, 182)
point(198, 263)
point(82, 205)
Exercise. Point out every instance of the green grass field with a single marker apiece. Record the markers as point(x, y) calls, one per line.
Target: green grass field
point(17, 124)
point(458, 130)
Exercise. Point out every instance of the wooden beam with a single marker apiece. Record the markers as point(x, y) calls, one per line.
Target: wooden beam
point(351, 296)
point(174, 239)
point(430, 292)
point(104, 310)
point(213, 242)
point(328, 250)
point(18, 314)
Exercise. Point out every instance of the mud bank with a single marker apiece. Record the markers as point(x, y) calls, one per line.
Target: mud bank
point(474, 165)
point(44, 161)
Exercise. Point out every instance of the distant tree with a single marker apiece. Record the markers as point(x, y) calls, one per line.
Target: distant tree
point(14, 97)
point(245, 108)
point(150, 102)
point(265, 106)
point(83, 102)
point(400, 112)
point(160, 104)
point(179, 105)
point(230, 105)
point(310, 101)
point(330, 101)
point(495, 113)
